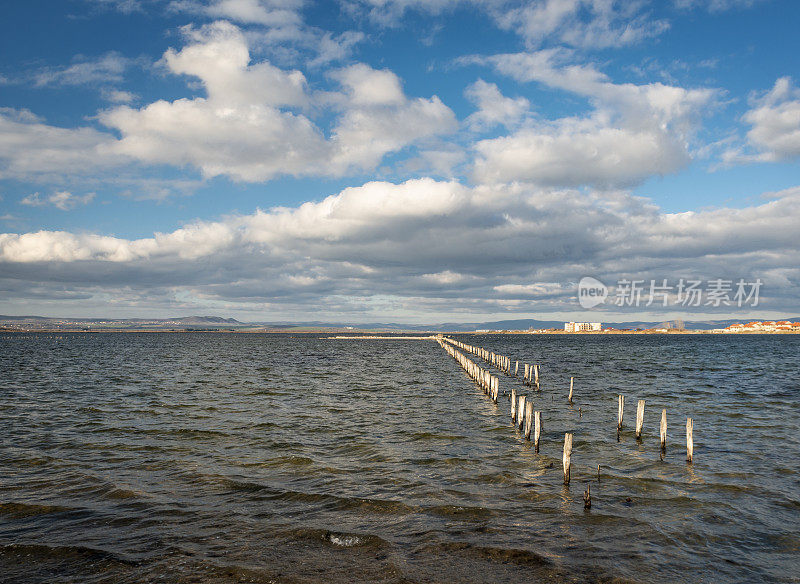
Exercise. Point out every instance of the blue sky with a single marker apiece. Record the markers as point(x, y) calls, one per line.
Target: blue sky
point(375, 160)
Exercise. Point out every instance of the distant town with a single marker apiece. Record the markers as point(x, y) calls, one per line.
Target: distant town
point(676, 327)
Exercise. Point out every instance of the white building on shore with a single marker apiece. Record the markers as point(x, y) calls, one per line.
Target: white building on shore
point(578, 327)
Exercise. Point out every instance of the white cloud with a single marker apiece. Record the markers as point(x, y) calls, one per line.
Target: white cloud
point(106, 69)
point(378, 118)
point(581, 23)
point(775, 126)
point(493, 107)
point(716, 5)
point(63, 200)
point(331, 48)
point(29, 148)
point(366, 86)
point(574, 152)
point(239, 129)
point(266, 12)
point(577, 23)
point(390, 12)
point(635, 131)
point(422, 244)
point(124, 6)
point(118, 95)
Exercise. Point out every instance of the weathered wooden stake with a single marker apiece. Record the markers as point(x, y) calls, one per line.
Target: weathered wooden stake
point(516, 369)
point(513, 404)
point(587, 497)
point(525, 376)
point(521, 411)
point(689, 440)
point(639, 418)
point(663, 430)
point(567, 456)
point(537, 430)
point(528, 419)
point(536, 373)
point(620, 411)
point(598, 473)
point(571, 380)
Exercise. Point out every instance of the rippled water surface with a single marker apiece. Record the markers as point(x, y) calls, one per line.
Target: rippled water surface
point(223, 458)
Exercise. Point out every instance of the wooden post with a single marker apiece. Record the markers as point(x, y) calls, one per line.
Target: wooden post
point(663, 432)
point(525, 377)
point(521, 411)
point(571, 380)
point(587, 497)
point(567, 456)
point(516, 369)
point(528, 418)
point(536, 373)
point(620, 411)
point(513, 404)
point(689, 439)
point(639, 418)
point(537, 430)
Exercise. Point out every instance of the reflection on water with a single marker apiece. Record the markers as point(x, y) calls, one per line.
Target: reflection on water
point(269, 458)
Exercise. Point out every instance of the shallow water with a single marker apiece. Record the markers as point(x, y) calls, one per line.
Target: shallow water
point(223, 458)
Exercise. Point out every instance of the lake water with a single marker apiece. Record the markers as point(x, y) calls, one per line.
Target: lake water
point(203, 457)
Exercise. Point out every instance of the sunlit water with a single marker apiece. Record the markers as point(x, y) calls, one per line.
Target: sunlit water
point(266, 458)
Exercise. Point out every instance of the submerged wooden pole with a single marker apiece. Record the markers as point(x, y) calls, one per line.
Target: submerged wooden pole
point(528, 418)
point(513, 404)
point(620, 410)
point(639, 418)
point(525, 376)
point(663, 430)
point(536, 374)
point(571, 381)
point(537, 430)
point(516, 369)
point(521, 411)
point(567, 456)
point(689, 439)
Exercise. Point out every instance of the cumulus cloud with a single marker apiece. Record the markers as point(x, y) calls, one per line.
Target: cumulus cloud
point(29, 147)
point(378, 118)
point(252, 124)
point(422, 244)
point(493, 107)
point(775, 126)
point(634, 131)
point(575, 152)
point(245, 127)
point(63, 200)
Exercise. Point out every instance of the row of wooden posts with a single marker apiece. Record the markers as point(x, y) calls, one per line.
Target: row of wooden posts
point(530, 376)
point(528, 420)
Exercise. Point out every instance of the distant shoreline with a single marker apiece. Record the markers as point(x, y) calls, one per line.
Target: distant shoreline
point(338, 334)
